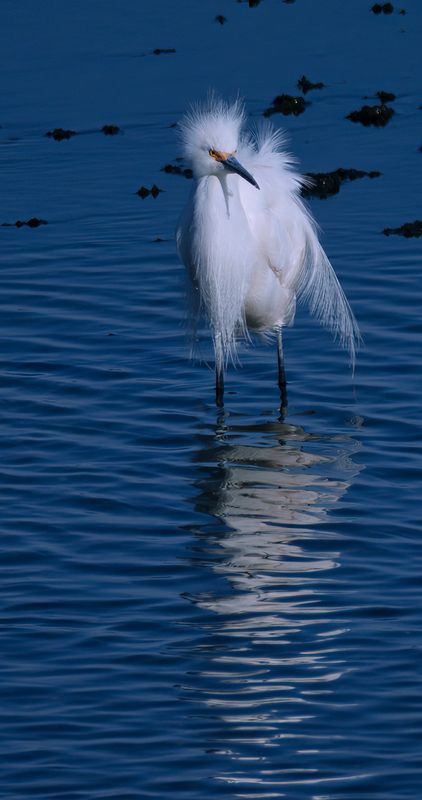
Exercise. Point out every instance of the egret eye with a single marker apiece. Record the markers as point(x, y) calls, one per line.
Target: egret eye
point(212, 153)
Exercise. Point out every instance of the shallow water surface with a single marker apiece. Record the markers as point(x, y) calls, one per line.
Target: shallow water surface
point(195, 603)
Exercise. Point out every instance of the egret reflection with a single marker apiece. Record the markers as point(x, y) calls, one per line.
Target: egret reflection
point(272, 648)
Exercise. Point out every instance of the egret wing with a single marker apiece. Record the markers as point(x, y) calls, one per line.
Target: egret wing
point(288, 239)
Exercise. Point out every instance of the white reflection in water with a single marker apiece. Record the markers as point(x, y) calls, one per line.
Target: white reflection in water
point(273, 660)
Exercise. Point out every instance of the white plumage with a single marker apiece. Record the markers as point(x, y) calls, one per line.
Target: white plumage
point(249, 243)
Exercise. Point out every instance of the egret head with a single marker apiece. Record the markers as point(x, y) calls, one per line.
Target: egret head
point(211, 136)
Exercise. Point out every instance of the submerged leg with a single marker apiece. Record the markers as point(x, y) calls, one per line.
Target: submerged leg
point(219, 371)
point(219, 386)
point(281, 372)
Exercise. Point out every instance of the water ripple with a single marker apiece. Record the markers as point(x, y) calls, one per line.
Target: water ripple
point(275, 659)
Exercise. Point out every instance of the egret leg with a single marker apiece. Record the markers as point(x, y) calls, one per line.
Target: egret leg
point(219, 386)
point(219, 372)
point(281, 372)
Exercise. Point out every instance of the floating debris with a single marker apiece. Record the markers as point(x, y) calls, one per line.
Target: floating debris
point(325, 184)
point(175, 169)
point(286, 104)
point(408, 230)
point(219, 18)
point(34, 222)
point(144, 192)
point(306, 85)
point(383, 8)
point(162, 50)
point(59, 134)
point(110, 130)
point(372, 115)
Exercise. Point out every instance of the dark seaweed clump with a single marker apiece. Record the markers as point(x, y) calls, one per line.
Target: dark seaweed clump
point(59, 134)
point(325, 184)
point(372, 115)
point(305, 85)
point(144, 192)
point(383, 8)
point(286, 104)
point(385, 97)
point(110, 130)
point(175, 169)
point(219, 18)
point(407, 230)
point(34, 222)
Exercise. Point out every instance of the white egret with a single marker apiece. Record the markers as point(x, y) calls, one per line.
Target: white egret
point(249, 243)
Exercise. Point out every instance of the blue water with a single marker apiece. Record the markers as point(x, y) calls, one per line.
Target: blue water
point(197, 604)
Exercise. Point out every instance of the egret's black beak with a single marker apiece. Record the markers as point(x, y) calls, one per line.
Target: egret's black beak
point(233, 165)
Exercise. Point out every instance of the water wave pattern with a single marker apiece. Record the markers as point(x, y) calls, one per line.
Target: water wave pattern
point(198, 605)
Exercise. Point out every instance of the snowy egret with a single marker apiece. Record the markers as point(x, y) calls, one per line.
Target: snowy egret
point(249, 243)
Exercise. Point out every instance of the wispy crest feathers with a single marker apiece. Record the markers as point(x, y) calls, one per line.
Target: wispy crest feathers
point(271, 141)
point(210, 124)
